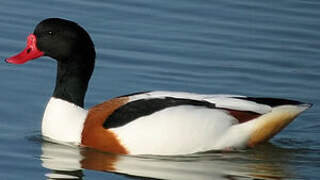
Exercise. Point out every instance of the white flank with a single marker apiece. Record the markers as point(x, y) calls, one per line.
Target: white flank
point(177, 130)
point(63, 121)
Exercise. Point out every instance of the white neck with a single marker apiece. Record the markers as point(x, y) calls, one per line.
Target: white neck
point(63, 121)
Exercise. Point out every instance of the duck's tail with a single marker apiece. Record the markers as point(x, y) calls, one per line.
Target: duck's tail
point(266, 126)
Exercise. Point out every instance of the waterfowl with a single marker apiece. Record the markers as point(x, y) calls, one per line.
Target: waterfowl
point(154, 122)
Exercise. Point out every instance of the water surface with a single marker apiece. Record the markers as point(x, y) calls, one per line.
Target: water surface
point(254, 48)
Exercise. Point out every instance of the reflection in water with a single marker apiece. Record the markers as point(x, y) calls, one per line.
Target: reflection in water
point(67, 162)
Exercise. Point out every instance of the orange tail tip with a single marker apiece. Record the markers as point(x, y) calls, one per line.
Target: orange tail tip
point(268, 125)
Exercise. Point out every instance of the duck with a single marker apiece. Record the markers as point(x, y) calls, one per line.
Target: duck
point(150, 122)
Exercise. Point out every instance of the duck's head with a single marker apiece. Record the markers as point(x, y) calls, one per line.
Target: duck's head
point(60, 39)
point(72, 47)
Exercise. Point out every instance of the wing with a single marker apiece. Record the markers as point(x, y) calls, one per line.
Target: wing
point(142, 104)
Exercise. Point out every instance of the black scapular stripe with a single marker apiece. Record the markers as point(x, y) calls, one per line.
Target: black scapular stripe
point(144, 107)
point(271, 101)
point(132, 94)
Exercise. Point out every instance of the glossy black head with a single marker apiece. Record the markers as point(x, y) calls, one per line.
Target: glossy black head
point(62, 39)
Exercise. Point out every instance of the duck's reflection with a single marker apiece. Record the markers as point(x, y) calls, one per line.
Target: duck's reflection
point(68, 162)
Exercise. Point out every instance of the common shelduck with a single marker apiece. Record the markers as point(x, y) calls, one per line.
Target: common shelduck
point(154, 122)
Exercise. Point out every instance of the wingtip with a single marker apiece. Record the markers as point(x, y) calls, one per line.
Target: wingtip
point(305, 106)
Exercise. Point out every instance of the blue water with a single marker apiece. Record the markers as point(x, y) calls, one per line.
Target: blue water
point(255, 48)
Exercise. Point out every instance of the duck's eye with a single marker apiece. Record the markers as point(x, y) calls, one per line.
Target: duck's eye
point(50, 33)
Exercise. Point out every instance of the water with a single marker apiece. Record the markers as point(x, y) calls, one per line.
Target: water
point(254, 48)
